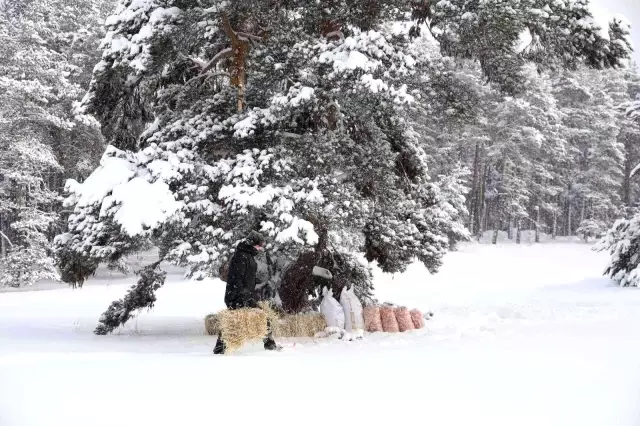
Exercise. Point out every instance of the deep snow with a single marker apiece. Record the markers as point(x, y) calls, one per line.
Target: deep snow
point(522, 335)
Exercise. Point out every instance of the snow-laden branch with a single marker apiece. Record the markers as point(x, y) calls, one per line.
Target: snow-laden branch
point(224, 53)
point(249, 36)
point(208, 76)
point(2, 234)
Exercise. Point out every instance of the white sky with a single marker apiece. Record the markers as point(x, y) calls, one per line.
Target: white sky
point(604, 10)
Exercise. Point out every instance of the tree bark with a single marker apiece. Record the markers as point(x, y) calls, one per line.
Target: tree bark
point(569, 213)
point(518, 233)
point(482, 205)
point(626, 181)
point(3, 244)
point(475, 190)
point(537, 224)
point(494, 240)
point(240, 49)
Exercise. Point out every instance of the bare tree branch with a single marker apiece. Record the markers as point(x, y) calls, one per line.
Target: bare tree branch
point(224, 53)
point(250, 36)
point(6, 238)
point(207, 76)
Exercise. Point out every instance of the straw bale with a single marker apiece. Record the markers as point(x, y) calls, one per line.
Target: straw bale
point(239, 326)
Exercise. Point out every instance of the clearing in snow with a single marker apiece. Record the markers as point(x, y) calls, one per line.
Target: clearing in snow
point(522, 335)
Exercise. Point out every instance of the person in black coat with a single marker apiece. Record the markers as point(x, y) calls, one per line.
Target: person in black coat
point(241, 282)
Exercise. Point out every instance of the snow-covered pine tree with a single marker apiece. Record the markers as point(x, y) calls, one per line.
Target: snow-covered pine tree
point(593, 175)
point(622, 242)
point(624, 87)
point(286, 119)
point(26, 207)
point(454, 190)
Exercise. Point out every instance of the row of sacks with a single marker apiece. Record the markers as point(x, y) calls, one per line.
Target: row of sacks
point(349, 314)
point(392, 319)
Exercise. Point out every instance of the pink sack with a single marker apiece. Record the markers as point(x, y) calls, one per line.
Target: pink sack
point(405, 323)
point(388, 319)
point(417, 318)
point(372, 320)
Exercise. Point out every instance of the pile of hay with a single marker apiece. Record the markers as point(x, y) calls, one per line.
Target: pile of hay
point(237, 327)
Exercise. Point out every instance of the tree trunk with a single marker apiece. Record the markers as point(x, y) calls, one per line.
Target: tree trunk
point(518, 233)
point(496, 227)
point(626, 181)
point(537, 224)
point(569, 230)
point(480, 201)
point(509, 228)
point(3, 245)
point(240, 49)
point(555, 225)
point(475, 191)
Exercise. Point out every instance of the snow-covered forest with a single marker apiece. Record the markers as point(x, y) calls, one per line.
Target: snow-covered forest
point(392, 129)
point(477, 160)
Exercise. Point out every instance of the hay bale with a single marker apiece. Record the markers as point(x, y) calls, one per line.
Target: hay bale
point(211, 325)
point(300, 325)
point(239, 326)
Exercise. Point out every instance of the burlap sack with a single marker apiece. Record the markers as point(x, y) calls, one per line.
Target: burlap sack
point(405, 323)
point(372, 320)
point(388, 319)
point(417, 318)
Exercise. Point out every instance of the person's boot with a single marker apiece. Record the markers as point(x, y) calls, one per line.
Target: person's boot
point(219, 348)
point(271, 345)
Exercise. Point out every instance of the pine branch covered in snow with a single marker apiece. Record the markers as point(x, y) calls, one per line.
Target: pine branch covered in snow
point(622, 242)
point(140, 296)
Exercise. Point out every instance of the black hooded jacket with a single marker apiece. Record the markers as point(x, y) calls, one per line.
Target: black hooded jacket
point(241, 278)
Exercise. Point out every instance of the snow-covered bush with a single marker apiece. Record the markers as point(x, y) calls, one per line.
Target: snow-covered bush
point(622, 242)
point(591, 228)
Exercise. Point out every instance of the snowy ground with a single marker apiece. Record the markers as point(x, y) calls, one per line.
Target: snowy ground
point(523, 335)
